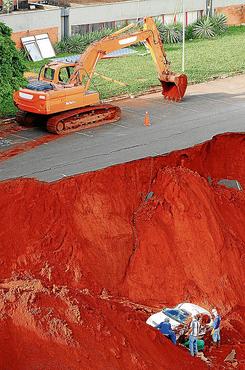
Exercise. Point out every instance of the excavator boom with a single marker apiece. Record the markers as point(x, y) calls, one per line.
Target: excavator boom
point(174, 86)
point(61, 95)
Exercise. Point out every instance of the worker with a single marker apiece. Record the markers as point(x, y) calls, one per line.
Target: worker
point(193, 334)
point(215, 327)
point(166, 329)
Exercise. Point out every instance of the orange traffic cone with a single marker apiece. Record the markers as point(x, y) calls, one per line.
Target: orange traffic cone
point(147, 119)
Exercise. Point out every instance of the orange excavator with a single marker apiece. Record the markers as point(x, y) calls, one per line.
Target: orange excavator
point(61, 98)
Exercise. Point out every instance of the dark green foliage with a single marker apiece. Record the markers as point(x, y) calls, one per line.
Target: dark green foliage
point(208, 27)
point(4, 30)
point(170, 33)
point(12, 67)
point(203, 28)
point(189, 32)
point(219, 22)
point(78, 43)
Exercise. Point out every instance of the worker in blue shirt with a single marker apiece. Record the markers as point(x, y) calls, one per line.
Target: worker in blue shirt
point(165, 328)
point(216, 327)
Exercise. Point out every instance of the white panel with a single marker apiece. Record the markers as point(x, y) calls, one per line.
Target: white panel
point(30, 45)
point(45, 46)
point(26, 40)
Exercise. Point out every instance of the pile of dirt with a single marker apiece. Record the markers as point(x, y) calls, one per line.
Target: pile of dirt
point(85, 260)
point(57, 328)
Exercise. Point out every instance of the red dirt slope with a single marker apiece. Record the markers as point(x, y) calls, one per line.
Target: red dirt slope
point(71, 249)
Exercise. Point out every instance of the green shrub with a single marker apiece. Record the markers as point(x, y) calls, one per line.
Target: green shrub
point(78, 43)
point(219, 22)
point(11, 71)
point(189, 32)
point(170, 33)
point(208, 27)
point(204, 28)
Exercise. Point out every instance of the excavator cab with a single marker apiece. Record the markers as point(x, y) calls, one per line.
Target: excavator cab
point(56, 73)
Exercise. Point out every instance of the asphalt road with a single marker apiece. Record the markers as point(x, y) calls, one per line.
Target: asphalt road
point(208, 109)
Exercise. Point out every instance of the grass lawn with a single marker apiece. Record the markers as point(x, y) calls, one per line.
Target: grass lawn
point(205, 59)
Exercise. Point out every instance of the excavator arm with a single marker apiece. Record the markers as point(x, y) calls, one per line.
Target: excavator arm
point(174, 86)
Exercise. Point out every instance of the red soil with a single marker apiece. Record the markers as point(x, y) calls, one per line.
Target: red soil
point(71, 249)
point(9, 128)
point(25, 147)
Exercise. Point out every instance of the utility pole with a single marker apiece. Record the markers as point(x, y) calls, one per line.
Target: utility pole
point(209, 8)
point(183, 36)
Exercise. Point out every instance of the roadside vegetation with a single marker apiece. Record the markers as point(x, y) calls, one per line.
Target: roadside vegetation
point(206, 27)
point(205, 59)
point(208, 56)
point(12, 68)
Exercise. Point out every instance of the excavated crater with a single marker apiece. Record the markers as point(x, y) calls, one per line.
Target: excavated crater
point(85, 260)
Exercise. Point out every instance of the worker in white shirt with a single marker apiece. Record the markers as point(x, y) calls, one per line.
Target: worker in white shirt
point(193, 333)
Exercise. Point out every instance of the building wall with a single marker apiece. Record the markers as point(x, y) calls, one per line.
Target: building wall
point(235, 14)
point(31, 23)
point(129, 10)
point(82, 18)
point(51, 31)
point(84, 15)
point(223, 3)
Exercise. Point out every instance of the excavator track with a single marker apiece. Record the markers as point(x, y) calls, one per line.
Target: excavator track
point(83, 118)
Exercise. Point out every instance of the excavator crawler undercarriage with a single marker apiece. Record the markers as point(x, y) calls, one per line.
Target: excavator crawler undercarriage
point(86, 117)
point(73, 120)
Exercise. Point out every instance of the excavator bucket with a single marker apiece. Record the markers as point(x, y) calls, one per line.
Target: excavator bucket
point(173, 86)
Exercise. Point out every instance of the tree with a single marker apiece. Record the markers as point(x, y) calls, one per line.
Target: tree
point(12, 67)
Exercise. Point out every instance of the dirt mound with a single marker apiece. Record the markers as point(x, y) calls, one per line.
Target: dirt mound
point(155, 231)
point(185, 236)
point(55, 328)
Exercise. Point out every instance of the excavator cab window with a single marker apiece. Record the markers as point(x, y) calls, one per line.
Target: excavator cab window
point(65, 74)
point(48, 74)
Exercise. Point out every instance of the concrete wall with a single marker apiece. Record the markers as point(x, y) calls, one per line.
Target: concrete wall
point(222, 3)
point(99, 13)
point(128, 10)
point(30, 23)
point(49, 21)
